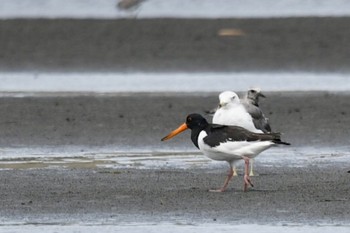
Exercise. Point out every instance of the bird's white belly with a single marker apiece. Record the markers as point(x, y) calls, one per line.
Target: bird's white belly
point(232, 150)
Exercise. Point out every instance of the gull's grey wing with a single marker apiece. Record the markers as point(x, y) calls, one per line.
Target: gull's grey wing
point(259, 119)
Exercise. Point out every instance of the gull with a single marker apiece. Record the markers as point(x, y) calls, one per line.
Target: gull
point(251, 104)
point(242, 112)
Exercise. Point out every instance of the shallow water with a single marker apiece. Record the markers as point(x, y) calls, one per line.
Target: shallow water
point(26, 83)
point(187, 159)
point(168, 227)
point(173, 8)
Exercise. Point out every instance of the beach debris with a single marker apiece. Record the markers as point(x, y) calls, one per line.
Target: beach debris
point(231, 32)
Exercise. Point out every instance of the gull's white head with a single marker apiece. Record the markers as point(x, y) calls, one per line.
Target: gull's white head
point(228, 97)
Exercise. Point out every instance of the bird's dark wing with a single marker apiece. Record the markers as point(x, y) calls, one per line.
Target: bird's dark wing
point(219, 134)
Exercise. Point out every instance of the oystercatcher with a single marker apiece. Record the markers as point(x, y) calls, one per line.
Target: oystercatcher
point(226, 143)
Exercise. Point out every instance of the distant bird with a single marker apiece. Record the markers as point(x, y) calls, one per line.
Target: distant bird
point(227, 143)
point(129, 5)
point(243, 112)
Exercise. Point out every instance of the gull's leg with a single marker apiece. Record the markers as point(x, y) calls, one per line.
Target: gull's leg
point(247, 180)
point(234, 171)
point(227, 180)
point(251, 173)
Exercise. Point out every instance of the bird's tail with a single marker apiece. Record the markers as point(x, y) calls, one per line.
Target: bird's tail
point(277, 139)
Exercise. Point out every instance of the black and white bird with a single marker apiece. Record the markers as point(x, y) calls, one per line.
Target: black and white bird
point(227, 143)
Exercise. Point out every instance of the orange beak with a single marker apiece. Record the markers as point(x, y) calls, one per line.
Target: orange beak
point(182, 128)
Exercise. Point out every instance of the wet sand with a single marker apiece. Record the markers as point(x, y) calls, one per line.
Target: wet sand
point(311, 195)
point(140, 120)
point(155, 45)
point(308, 195)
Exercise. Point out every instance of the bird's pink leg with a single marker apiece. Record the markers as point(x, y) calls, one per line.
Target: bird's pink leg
point(247, 180)
point(227, 180)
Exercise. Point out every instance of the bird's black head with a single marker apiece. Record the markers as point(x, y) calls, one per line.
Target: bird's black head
point(196, 121)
